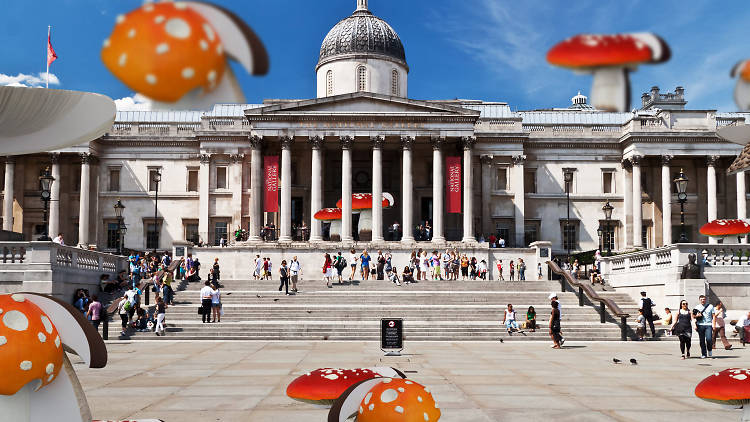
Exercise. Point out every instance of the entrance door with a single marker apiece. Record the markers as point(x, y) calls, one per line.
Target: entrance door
point(425, 213)
point(297, 216)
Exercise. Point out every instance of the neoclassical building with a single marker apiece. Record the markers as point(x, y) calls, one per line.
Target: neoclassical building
point(362, 134)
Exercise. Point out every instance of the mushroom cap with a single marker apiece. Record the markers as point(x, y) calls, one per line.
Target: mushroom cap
point(725, 227)
point(30, 346)
point(730, 386)
point(363, 201)
point(386, 399)
point(589, 51)
point(165, 50)
point(741, 70)
point(325, 385)
point(327, 214)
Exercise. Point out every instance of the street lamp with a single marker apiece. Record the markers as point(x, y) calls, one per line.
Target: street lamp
point(568, 180)
point(157, 179)
point(119, 208)
point(45, 186)
point(607, 208)
point(681, 182)
point(599, 233)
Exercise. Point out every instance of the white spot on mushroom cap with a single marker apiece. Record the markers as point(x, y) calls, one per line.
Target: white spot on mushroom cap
point(419, 399)
point(18, 298)
point(162, 48)
point(3, 340)
point(25, 365)
point(399, 409)
point(180, 5)
point(50, 377)
point(368, 397)
point(332, 377)
point(50, 368)
point(57, 341)
point(209, 31)
point(148, 7)
point(426, 416)
point(177, 28)
point(388, 395)
point(47, 324)
point(159, 19)
point(387, 380)
point(203, 44)
point(123, 59)
point(371, 406)
point(42, 337)
point(131, 33)
point(401, 389)
point(16, 320)
point(120, 19)
point(188, 73)
point(151, 78)
point(105, 43)
point(220, 49)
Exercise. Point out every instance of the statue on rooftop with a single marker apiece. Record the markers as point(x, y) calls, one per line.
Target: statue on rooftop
point(691, 270)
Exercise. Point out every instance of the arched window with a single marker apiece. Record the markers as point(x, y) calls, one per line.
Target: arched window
point(361, 78)
point(329, 83)
point(394, 83)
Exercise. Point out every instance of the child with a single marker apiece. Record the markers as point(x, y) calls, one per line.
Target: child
point(641, 330)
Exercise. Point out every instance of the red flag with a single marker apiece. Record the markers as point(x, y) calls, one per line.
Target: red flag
point(271, 165)
point(51, 56)
point(453, 185)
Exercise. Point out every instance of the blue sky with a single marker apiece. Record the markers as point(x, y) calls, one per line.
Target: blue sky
point(481, 49)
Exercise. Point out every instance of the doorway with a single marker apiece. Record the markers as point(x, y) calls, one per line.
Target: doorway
point(425, 213)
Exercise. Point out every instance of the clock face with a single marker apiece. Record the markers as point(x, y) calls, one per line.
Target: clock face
point(45, 194)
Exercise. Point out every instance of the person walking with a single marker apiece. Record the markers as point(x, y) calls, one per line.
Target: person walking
point(499, 265)
point(424, 266)
point(295, 269)
point(718, 326)
point(161, 309)
point(284, 276)
point(353, 264)
point(521, 270)
point(364, 261)
point(94, 314)
point(464, 267)
point(327, 271)
point(509, 320)
point(558, 306)
point(206, 291)
point(215, 303)
point(340, 263)
point(269, 273)
point(257, 267)
point(683, 328)
point(645, 304)
point(123, 310)
point(539, 270)
point(704, 315)
point(554, 326)
point(512, 268)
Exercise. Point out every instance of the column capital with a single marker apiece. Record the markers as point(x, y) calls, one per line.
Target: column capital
point(10, 159)
point(626, 163)
point(87, 158)
point(377, 141)
point(468, 142)
point(666, 160)
point(54, 158)
point(347, 141)
point(486, 159)
point(316, 141)
point(256, 142)
point(205, 158)
point(407, 142)
point(636, 160)
point(712, 160)
point(437, 142)
point(518, 160)
point(286, 141)
point(236, 158)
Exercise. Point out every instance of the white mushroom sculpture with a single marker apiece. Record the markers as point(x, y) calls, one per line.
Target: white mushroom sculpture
point(729, 387)
point(38, 382)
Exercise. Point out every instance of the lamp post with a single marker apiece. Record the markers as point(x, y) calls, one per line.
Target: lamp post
point(599, 232)
point(607, 208)
point(45, 186)
point(568, 180)
point(119, 208)
point(681, 183)
point(157, 179)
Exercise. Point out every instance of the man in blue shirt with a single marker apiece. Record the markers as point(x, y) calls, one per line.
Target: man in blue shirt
point(704, 315)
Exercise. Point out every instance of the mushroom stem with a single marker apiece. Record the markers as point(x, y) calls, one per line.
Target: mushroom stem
point(18, 406)
point(610, 90)
point(745, 413)
point(742, 95)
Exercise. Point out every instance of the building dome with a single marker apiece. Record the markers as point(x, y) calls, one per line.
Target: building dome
point(362, 33)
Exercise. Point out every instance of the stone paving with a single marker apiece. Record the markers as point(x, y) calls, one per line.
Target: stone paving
point(472, 381)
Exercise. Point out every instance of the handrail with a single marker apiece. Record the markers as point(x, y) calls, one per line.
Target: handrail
point(594, 296)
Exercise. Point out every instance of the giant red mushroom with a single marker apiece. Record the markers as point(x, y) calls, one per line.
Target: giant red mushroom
point(363, 201)
point(323, 386)
point(728, 387)
point(725, 228)
point(386, 399)
point(609, 58)
point(741, 71)
point(328, 214)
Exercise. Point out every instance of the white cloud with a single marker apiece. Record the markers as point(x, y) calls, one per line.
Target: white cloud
point(23, 79)
point(135, 102)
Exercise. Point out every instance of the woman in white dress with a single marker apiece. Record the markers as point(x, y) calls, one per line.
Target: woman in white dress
point(424, 265)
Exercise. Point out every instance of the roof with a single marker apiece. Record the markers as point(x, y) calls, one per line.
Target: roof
point(574, 117)
point(158, 116)
point(491, 111)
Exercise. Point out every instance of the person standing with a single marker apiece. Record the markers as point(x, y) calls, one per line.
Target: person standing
point(539, 270)
point(269, 273)
point(704, 315)
point(499, 264)
point(352, 263)
point(718, 326)
point(284, 276)
point(424, 266)
point(215, 303)
point(521, 270)
point(327, 271)
point(683, 328)
point(123, 309)
point(645, 304)
point(380, 265)
point(161, 309)
point(512, 268)
point(206, 292)
point(257, 267)
point(558, 306)
point(554, 326)
point(295, 269)
point(94, 314)
point(364, 260)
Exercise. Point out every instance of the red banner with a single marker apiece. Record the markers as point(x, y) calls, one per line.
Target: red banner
point(271, 165)
point(453, 184)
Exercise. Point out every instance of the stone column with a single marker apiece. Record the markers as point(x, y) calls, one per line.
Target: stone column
point(468, 189)
point(85, 200)
point(711, 162)
point(486, 162)
point(437, 189)
point(637, 202)
point(285, 235)
point(741, 200)
point(407, 190)
point(54, 203)
point(519, 200)
point(627, 205)
point(235, 184)
point(666, 200)
point(316, 187)
point(256, 188)
point(204, 176)
point(377, 187)
point(347, 143)
point(10, 167)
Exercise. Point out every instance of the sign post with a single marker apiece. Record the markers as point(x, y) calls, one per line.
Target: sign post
point(392, 336)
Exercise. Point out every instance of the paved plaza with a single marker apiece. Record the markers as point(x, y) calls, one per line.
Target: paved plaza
point(472, 381)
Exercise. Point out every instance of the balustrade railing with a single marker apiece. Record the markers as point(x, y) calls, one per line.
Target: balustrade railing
point(59, 256)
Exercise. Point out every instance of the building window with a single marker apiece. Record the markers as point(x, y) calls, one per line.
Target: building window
point(501, 178)
point(361, 78)
point(152, 235)
point(608, 181)
point(329, 83)
point(608, 236)
point(191, 232)
point(569, 236)
point(152, 183)
point(644, 236)
point(395, 82)
point(113, 235)
point(220, 231)
point(114, 179)
point(221, 177)
point(529, 180)
point(192, 181)
point(530, 233)
point(503, 231)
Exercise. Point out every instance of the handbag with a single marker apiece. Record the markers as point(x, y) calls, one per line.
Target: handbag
point(200, 310)
point(374, 271)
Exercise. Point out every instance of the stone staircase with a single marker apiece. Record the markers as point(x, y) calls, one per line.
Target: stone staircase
point(432, 310)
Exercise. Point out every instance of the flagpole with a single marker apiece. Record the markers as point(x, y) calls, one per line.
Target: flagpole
point(49, 30)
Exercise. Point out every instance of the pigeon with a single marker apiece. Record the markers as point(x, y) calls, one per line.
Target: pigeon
point(309, 312)
point(633, 361)
point(259, 296)
point(502, 341)
point(615, 360)
point(276, 300)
